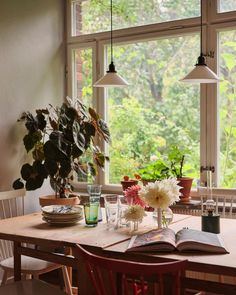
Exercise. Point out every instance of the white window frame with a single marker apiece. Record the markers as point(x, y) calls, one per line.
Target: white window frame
point(212, 22)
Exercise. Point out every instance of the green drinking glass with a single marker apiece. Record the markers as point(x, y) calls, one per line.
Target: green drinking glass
point(91, 214)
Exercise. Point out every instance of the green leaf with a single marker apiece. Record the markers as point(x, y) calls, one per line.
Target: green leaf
point(53, 123)
point(31, 139)
point(26, 171)
point(40, 169)
point(61, 144)
point(43, 111)
point(38, 153)
point(78, 137)
point(51, 151)
point(104, 130)
point(41, 122)
point(70, 113)
point(51, 166)
point(18, 184)
point(92, 169)
point(93, 114)
point(89, 129)
point(30, 122)
point(34, 183)
point(65, 169)
point(100, 159)
point(76, 152)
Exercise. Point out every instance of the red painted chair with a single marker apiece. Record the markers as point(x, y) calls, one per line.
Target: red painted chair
point(118, 277)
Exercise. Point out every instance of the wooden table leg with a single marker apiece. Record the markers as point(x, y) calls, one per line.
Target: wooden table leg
point(17, 262)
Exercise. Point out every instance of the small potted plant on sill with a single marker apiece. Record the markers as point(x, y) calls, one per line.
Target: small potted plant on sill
point(127, 182)
point(172, 165)
point(157, 169)
point(176, 157)
point(61, 141)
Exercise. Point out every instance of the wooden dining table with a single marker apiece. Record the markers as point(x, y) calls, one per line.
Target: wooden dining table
point(206, 272)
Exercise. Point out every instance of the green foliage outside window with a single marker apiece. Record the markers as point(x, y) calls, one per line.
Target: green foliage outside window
point(156, 110)
point(227, 110)
point(95, 14)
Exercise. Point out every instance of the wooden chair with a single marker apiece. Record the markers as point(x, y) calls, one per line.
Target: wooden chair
point(225, 200)
point(30, 287)
point(133, 277)
point(12, 204)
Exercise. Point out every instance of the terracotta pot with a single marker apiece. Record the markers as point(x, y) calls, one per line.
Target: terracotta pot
point(128, 183)
point(186, 183)
point(52, 200)
point(145, 182)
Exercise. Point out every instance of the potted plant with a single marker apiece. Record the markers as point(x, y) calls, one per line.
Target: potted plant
point(157, 169)
point(176, 157)
point(171, 165)
point(127, 182)
point(61, 142)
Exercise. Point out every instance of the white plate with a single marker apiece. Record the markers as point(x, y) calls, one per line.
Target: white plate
point(62, 216)
point(60, 222)
point(62, 210)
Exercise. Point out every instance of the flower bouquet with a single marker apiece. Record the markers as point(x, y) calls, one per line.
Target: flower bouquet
point(160, 195)
point(135, 210)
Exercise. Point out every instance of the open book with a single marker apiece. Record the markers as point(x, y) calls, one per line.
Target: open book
point(184, 240)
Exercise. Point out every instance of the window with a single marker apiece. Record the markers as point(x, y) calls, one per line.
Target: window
point(157, 46)
point(94, 16)
point(227, 109)
point(227, 5)
point(142, 118)
point(82, 74)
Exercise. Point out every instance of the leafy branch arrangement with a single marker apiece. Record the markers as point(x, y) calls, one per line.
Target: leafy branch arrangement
point(165, 167)
point(62, 141)
point(176, 157)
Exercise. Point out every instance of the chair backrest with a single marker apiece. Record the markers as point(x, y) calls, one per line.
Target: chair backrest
point(116, 277)
point(11, 204)
point(225, 200)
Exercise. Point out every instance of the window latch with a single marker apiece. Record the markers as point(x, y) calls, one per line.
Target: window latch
point(207, 168)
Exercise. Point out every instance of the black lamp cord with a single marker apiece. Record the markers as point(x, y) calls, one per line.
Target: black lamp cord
point(111, 34)
point(201, 30)
point(201, 59)
point(111, 65)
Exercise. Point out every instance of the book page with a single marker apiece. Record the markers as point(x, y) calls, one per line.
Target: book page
point(154, 240)
point(190, 240)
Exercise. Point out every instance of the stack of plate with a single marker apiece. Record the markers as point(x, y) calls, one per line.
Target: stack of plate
point(62, 215)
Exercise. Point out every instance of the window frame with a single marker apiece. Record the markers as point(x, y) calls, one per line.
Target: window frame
point(217, 16)
point(213, 107)
point(209, 93)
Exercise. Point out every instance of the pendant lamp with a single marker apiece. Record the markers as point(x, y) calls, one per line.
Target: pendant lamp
point(111, 79)
point(201, 73)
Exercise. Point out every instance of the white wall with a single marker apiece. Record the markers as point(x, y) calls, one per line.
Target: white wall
point(32, 61)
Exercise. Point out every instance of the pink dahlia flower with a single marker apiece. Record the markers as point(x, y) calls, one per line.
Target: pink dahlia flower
point(132, 196)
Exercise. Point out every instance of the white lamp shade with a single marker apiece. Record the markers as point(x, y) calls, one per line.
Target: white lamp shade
point(201, 74)
point(111, 79)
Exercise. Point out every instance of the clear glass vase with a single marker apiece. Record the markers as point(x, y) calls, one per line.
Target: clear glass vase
point(166, 217)
point(134, 225)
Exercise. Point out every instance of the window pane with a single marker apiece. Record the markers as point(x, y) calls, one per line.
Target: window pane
point(82, 88)
point(156, 110)
point(90, 16)
point(82, 75)
point(227, 5)
point(227, 111)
